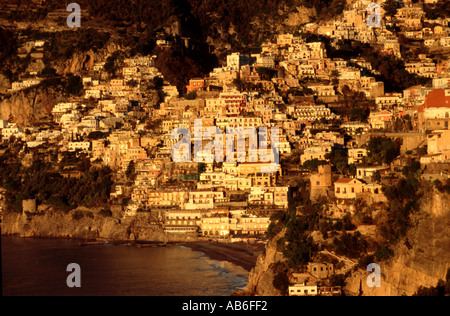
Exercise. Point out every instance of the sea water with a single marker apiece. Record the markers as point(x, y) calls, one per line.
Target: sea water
point(39, 267)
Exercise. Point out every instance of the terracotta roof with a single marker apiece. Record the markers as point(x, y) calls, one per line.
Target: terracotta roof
point(437, 99)
point(344, 180)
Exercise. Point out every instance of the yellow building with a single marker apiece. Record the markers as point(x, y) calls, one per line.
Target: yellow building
point(347, 188)
point(216, 224)
point(166, 198)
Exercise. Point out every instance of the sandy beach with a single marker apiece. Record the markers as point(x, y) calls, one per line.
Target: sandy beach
point(241, 254)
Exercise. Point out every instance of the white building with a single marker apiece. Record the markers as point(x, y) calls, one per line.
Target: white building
point(12, 131)
point(83, 146)
point(236, 60)
point(303, 290)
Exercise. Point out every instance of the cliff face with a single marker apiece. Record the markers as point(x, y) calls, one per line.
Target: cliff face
point(422, 262)
point(58, 225)
point(27, 107)
point(260, 282)
point(85, 61)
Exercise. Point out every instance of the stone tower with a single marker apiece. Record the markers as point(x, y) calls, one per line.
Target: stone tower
point(321, 182)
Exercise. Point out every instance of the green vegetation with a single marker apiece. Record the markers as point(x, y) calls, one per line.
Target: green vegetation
point(441, 289)
point(403, 200)
point(442, 187)
point(105, 213)
point(280, 280)
point(277, 222)
point(391, 7)
point(77, 215)
point(382, 149)
point(9, 45)
point(351, 245)
point(383, 253)
point(441, 9)
point(131, 171)
point(313, 164)
point(338, 159)
point(391, 69)
point(179, 64)
point(201, 167)
point(47, 186)
point(74, 84)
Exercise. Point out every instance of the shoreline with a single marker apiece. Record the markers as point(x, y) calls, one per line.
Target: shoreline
point(241, 254)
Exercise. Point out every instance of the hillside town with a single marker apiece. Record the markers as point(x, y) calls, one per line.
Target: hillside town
point(329, 112)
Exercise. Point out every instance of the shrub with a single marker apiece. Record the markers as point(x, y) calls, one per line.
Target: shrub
point(77, 215)
point(350, 245)
point(383, 253)
point(337, 280)
point(299, 252)
point(280, 245)
point(280, 279)
point(105, 213)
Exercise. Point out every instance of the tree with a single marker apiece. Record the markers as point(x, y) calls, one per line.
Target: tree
point(391, 7)
point(110, 65)
point(201, 167)
point(376, 177)
point(339, 159)
point(74, 84)
point(48, 71)
point(280, 280)
point(382, 149)
point(266, 73)
point(132, 83)
point(191, 95)
point(84, 165)
point(350, 245)
point(130, 172)
point(313, 164)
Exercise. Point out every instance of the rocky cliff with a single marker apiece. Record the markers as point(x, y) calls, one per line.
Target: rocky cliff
point(421, 259)
point(260, 282)
point(87, 224)
point(28, 106)
point(85, 61)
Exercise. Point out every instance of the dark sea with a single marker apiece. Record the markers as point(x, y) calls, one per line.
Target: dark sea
point(39, 267)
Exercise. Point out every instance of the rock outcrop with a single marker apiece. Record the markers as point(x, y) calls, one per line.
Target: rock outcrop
point(421, 259)
point(302, 16)
point(87, 224)
point(27, 107)
point(85, 61)
point(260, 282)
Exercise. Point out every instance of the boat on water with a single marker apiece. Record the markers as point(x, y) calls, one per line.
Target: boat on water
point(92, 243)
